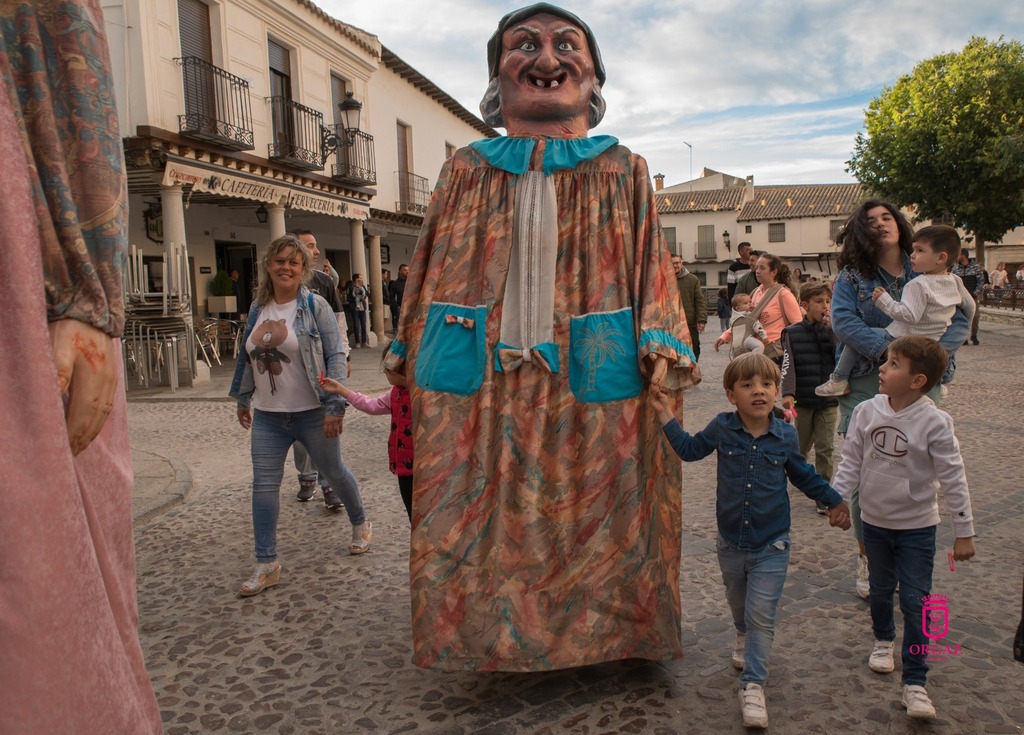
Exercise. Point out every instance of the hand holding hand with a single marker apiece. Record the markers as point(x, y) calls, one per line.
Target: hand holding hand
point(87, 372)
point(963, 548)
point(840, 516)
point(662, 406)
point(659, 369)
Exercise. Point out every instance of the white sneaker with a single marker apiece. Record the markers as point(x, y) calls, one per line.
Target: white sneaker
point(833, 388)
point(943, 392)
point(880, 659)
point(737, 650)
point(863, 586)
point(752, 705)
point(916, 700)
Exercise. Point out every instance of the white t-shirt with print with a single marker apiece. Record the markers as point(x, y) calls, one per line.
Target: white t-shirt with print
point(277, 367)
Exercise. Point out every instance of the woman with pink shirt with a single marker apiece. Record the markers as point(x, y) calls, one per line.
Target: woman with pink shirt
point(779, 312)
point(782, 310)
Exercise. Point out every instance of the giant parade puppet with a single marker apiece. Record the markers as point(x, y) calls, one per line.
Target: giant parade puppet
point(540, 310)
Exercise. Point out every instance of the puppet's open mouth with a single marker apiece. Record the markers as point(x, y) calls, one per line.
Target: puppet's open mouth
point(549, 83)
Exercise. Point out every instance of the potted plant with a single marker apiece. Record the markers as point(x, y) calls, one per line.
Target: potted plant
point(222, 295)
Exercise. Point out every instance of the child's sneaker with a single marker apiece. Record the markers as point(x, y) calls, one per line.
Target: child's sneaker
point(737, 650)
point(881, 661)
point(916, 700)
point(833, 388)
point(863, 585)
point(943, 392)
point(752, 705)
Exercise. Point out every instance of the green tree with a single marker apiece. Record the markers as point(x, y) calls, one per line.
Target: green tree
point(948, 139)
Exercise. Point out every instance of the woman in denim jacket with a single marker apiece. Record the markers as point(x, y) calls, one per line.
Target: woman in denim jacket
point(290, 340)
point(875, 247)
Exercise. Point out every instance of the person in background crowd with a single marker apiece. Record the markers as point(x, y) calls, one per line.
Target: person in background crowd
point(738, 268)
point(748, 282)
point(724, 308)
point(70, 659)
point(1000, 279)
point(974, 281)
point(323, 285)
point(694, 303)
point(359, 298)
point(397, 294)
point(385, 289)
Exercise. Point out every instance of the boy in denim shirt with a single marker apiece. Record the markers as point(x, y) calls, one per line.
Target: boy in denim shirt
point(757, 452)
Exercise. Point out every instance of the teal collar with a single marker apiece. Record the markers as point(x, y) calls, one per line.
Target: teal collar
point(560, 154)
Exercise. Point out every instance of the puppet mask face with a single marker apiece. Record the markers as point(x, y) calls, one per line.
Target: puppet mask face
point(546, 73)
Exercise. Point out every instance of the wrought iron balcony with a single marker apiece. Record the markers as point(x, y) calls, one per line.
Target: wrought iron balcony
point(216, 105)
point(413, 193)
point(298, 134)
point(355, 163)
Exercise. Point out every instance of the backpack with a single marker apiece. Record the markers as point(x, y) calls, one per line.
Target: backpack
point(743, 327)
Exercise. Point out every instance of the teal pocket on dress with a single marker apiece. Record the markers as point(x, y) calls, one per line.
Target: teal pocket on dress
point(603, 357)
point(451, 357)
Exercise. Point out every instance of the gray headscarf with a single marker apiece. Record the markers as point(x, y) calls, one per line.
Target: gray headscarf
point(490, 106)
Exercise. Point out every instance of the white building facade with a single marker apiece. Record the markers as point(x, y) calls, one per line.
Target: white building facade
point(235, 133)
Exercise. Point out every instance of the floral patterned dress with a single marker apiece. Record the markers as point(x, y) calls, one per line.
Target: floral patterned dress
point(546, 504)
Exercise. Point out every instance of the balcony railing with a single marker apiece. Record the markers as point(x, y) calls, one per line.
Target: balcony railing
point(413, 193)
point(297, 134)
point(704, 250)
point(354, 164)
point(216, 105)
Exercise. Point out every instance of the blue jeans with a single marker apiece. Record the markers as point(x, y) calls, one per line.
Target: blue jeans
point(753, 585)
point(907, 556)
point(272, 436)
point(359, 336)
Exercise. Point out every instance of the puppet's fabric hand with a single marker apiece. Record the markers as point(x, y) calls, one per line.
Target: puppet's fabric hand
point(87, 372)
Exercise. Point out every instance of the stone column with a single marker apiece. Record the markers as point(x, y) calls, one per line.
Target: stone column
point(275, 222)
point(173, 214)
point(358, 255)
point(376, 292)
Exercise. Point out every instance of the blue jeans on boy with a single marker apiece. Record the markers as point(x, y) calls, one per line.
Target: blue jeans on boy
point(907, 556)
point(272, 436)
point(753, 585)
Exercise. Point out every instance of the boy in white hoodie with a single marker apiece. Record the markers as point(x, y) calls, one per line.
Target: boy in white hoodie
point(900, 449)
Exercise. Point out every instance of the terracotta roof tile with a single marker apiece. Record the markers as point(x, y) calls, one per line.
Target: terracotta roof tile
point(793, 202)
point(699, 201)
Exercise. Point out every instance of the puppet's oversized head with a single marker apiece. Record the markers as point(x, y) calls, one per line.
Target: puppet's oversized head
point(545, 74)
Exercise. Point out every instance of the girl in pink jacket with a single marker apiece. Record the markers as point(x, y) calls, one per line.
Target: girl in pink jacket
point(396, 402)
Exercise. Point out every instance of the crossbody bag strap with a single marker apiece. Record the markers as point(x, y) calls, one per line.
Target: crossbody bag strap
point(768, 296)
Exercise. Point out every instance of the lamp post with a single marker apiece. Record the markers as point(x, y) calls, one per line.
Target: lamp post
point(691, 163)
point(331, 141)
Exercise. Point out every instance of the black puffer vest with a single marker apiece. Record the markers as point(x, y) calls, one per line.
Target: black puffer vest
point(813, 357)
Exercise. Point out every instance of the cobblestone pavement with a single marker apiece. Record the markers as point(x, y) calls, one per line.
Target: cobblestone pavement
point(328, 650)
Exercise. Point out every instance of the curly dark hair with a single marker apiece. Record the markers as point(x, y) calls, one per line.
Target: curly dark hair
point(857, 242)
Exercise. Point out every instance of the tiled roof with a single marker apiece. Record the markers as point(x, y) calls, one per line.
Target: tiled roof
point(793, 202)
point(713, 200)
point(368, 41)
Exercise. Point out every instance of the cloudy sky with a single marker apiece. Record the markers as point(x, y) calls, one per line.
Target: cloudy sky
point(774, 88)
